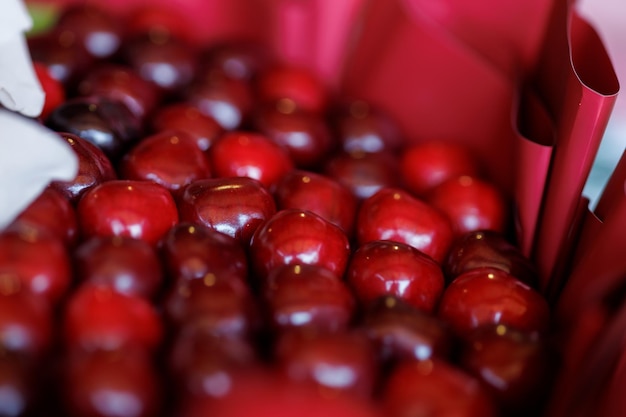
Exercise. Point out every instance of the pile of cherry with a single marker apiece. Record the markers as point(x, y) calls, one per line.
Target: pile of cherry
point(240, 242)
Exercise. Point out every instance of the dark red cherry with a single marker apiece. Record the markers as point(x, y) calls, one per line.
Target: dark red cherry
point(383, 267)
point(393, 214)
point(19, 388)
point(471, 204)
point(308, 296)
point(138, 209)
point(487, 297)
point(159, 22)
point(94, 167)
point(299, 237)
point(293, 86)
point(488, 249)
point(399, 331)
point(170, 158)
point(130, 266)
point(434, 388)
point(319, 194)
point(236, 59)
point(427, 164)
point(249, 154)
point(233, 206)
point(54, 90)
point(343, 362)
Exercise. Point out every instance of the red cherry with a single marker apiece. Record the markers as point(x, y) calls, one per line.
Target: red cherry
point(55, 93)
point(94, 167)
point(319, 194)
point(240, 60)
point(298, 237)
point(489, 296)
point(308, 296)
point(101, 318)
point(38, 260)
point(169, 158)
point(393, 214)
point(471, 204)
point(252, 155)
point(19, 392)
point(343, 362)
point(127, 265)
point(400, 331)
point(160, 23)
point(425, 165)
point(297, 87)
point(390, 268)
point(434, 388)
point(137, 209)
point(233, 206)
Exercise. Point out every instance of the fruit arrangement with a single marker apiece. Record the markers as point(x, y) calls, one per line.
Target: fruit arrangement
point(240, 239)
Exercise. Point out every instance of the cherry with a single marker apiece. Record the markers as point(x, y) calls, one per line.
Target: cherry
point(53, 214)
point(236, 59)
point(489, 249)
point(171, 159)
point(434, 388)
point(488, 296)
point(343, 362)
point(471, 204)
point(298, 237)
point(249, 154)
point(308, 296)
point(100, 318)
point(383, 267)
point(137, 209)
point(425, 165)
point(159, 23)
point(39, 261)
point(19, 396)
point(184, 117)
point(55, 93)
point(393, 214)
point(233, 206)
point(94, 167)
point(399, 331)
point(319, 194)
point(130, 266)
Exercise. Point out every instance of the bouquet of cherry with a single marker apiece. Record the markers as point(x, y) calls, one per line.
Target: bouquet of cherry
point(242, 238)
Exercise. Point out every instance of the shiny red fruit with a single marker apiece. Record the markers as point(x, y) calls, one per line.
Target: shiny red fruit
point(393, 214)
point(425, 165)
point(138, 209)
point(295, 86)
point(308, 296)
point(298, 237)
point(233, 206)
point(19, 389)
point(241, 60)
point(471, 204)
point(171, 159)
point(251, 155)
point(487, 297)
point(55, 93)
point(384, 267)
point(434, 388)
point(159, 22)
point(130, 266)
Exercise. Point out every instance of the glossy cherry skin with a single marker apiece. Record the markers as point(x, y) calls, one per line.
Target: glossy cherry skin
point(51, 213)
point(111, 383)
point(241, 60)
point(19, 390)
point(308, 296)
point(488, 249)
point(383, 267)
point(434, 388)
point(319, 194)
point(171, 159)
point(130, 266)
point(184, 117)
point(159, 22)
point(399, 331)
point(393, 214)
point(94, 167)
point(233, 206)
point(294, 85)
point(340, 363)
point(471, 204)
point(298, 237)
point(487, 297)
point(251, 155)
point(138, 209)
point(38, 260)
point(363, 173)
point(425, 165)
point(192, 251)
point(55, 93)
point(100, 318)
